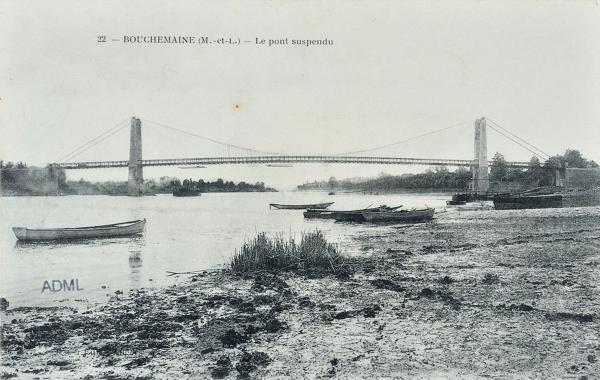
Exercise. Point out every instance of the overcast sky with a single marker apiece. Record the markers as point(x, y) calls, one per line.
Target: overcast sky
point(395, 70)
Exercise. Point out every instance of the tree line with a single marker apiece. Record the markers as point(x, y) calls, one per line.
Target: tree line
point(440, 178)
point(19, 179)
point(542, 174)
point(168, 184)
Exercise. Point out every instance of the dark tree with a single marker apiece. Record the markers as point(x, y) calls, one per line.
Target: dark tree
point(574, 159)
point(498, 168)
point(535, 170)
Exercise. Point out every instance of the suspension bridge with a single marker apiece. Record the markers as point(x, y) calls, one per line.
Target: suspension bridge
point(479, 164)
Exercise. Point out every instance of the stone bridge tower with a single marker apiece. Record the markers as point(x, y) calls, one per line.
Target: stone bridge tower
point(136, 173)
point(481, 178)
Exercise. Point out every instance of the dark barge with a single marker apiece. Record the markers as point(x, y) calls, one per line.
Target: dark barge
point(517, 202)
point(464, 198)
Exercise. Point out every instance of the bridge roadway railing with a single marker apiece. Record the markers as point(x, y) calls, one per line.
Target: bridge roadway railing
point(279, 160)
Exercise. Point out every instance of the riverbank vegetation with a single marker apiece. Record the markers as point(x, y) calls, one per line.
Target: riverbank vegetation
point(275, 254)
point(442, 179)
point(168, 184)
point(164, 185)
point(439, 178)
point(20, 179)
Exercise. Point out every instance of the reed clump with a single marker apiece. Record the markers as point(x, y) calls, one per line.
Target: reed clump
point(312, 254)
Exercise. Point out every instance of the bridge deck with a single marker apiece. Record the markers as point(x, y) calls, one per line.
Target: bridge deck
point(278, 160)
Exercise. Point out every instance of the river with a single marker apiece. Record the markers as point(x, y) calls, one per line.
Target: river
point(182, 234)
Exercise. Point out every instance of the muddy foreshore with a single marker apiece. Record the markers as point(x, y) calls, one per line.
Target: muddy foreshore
point(468, 295)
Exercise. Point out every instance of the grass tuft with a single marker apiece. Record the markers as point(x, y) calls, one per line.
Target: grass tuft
point(264, 253)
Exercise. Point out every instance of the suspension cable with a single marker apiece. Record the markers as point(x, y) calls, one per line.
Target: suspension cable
point(251, 150)
point(516, 142)
point(97, 142)
point(402, 141)
point(514, 135)
point(83, 146)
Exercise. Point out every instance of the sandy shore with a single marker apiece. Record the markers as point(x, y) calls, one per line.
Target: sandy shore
point(465, 296)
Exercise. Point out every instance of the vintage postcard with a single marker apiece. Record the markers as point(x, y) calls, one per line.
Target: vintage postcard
point(299, 189)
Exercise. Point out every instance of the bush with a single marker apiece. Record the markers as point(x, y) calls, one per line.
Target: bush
point(266, 253)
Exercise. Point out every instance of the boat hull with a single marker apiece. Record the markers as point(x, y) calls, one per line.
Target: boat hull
point(345, 216)
point(349, 217)
point(316, 206)
point(527, 202)
point(318, 214)
point(407, 216)
point(110, 230)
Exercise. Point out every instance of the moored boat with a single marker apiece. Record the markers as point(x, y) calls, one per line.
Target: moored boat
point(402, 216)
point(464, 198)
point(518, 201)
point(458, 199)
point(344, 215)
point(107, 230)
point(318, 206)
point(318, 214)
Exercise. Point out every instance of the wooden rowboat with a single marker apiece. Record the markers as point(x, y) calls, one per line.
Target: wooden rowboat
point(313, 206)
point(108, 230)
point(402, 216)
point(345, 215)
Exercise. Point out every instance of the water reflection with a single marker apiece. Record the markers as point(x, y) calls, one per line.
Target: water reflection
point(24, 245)
point(135, 261)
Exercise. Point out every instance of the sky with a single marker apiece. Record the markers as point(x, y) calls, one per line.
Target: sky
point(395, 70)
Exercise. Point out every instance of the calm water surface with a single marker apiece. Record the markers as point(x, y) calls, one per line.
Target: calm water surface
point(182, 234)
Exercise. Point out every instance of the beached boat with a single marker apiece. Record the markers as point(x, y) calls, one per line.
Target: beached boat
point(458, 199)
point(345, 215)
point(318, 214)
point(518, 201)
point(318, 206)
point(108, 230)
point(357, 216)
point(402, 216)
point(464, 198)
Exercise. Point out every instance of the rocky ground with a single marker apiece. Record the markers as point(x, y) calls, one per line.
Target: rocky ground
point(472, 294)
